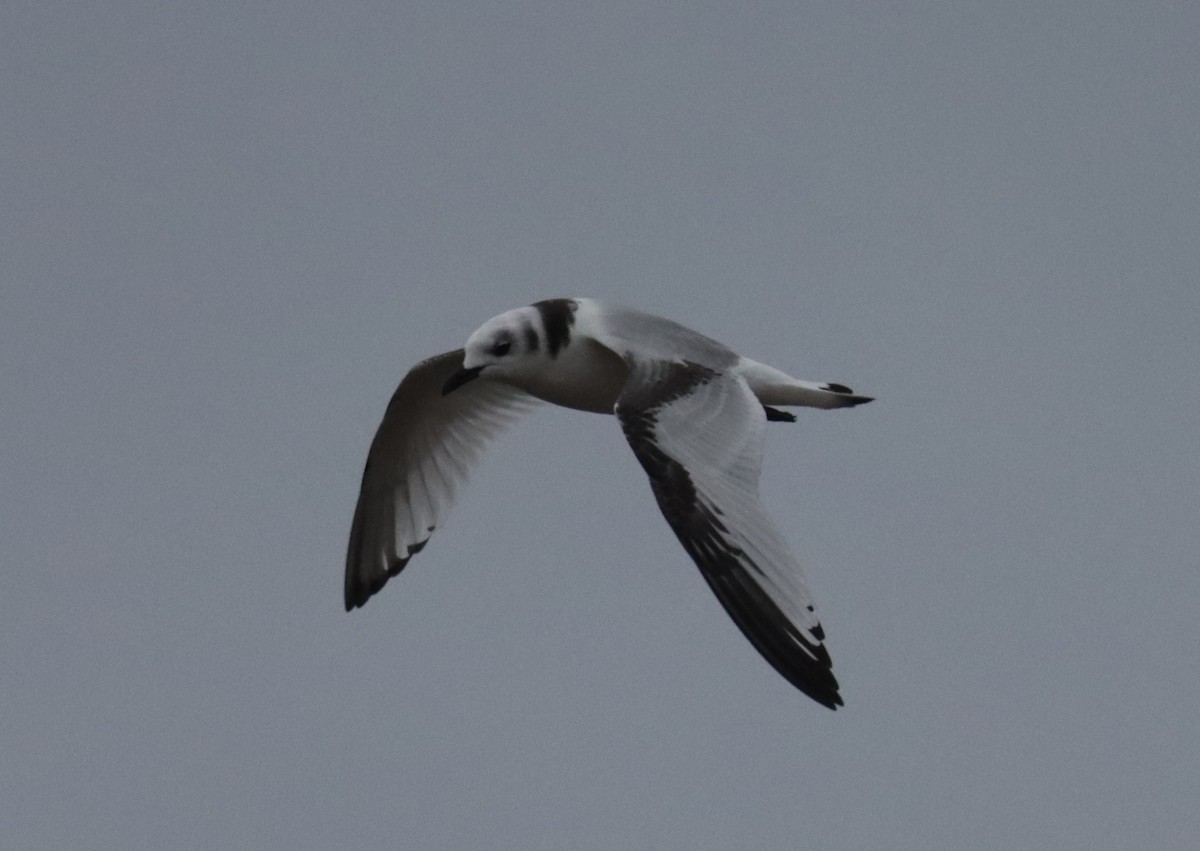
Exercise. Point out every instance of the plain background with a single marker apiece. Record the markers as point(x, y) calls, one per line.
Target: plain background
point(229, 229)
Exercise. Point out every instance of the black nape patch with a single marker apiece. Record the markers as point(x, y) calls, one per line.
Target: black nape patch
point(774, 415)
point(838, 388)
point(558, 315)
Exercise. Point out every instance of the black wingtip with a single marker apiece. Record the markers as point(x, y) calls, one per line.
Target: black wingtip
point(830, 699)
point(358, 591)
point(821, 687)
point(458, 379)
point(360, 588)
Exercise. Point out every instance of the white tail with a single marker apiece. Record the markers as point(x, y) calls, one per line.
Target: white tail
point(773, 387)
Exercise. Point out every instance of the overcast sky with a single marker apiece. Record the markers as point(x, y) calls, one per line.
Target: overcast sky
point(228, 231)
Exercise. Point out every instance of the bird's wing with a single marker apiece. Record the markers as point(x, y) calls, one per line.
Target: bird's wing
point(698, 434)
point(420, 455)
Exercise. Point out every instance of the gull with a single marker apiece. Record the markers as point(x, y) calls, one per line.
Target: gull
point(693, 412)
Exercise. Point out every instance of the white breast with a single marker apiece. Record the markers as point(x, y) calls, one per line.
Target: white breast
point(585, 376)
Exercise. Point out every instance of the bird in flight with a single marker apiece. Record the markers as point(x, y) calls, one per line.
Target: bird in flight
point(693, 412)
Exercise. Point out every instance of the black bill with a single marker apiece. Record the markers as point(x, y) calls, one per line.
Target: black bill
point(460, 378)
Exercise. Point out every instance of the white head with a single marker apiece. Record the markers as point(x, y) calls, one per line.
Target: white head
point(516, 343)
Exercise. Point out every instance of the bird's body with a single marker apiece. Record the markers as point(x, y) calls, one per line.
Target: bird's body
point(692, 410)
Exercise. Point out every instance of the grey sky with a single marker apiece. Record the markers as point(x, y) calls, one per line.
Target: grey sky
point(229, 231)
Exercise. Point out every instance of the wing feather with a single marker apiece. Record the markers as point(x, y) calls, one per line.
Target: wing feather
point(420, 456)
point(697, 432)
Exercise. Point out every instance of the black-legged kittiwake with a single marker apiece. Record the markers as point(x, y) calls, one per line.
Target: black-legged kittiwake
point(693, 412)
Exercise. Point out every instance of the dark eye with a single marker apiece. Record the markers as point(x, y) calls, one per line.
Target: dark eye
point(501, 347)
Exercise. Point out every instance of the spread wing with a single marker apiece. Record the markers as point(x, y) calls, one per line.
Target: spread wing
point(698, 434)
point(420, 455)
